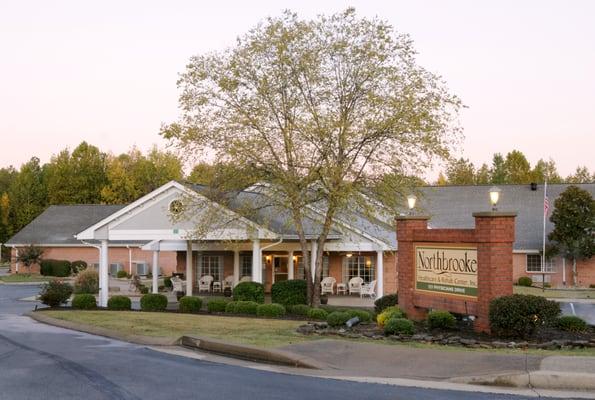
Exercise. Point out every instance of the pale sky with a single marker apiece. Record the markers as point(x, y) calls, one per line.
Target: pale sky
point(106, 71)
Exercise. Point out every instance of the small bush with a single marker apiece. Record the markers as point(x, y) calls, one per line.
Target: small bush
point(119, 303)
point(395, 326)
point(231, 307)
point(121, 274)
point(290, 292)
point(388, 313)
point(249, 291)
point(59, 268)
point(270, 310)
point(246, 307)
point(87, 281)
point(153, 302)
point(337, 318)
point(299, 309)
point(363, 315)
point(441, 320)
point(143, 289)
point(571, 323)
point(385, 301)
point(519, 315)
point(525, 281)
point(318, 314)
point(190, 304)
point(84, 302)
point(78, 266)
point(55, 293)
point(216, 305)
point(167, 282)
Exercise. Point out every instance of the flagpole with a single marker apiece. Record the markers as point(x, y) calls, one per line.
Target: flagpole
point(543, 248)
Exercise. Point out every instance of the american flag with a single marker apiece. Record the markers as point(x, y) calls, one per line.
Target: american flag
point(546, 205)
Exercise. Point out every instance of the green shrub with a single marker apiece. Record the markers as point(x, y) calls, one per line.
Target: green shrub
point(230, 307)
point(441, 320)
point(78, 266)
point(519, 315)
point(317, 313)
point(385, 301)
point(121, 274)
point(525, 281)
point(119, 303)
point(153, 302)
point(87, 281)
point(190, 304)
point(571, 323)
point(396, 326)
point(143, 289)
point(388, 313)
point(249, 291)
point(290, 292)
point(299, 309)
point(246, 307)
point(167, 282)
point(217, 305)
point(84, 302)
point(363, 315)
point(55, 293)
point(337, 318)
point(270, 310)
point(59, 268)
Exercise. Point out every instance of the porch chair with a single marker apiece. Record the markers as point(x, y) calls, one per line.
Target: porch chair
point(217, 287)
point(328, 285)
point(228, 282)
point(368, 289)
point(355, 285)
point(178, 285)
point(204, 283)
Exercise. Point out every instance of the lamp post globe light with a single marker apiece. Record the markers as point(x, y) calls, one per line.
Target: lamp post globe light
point(495, 197)
point(411, 200)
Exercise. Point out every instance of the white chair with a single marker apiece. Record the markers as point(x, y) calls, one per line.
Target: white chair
point(204, 283)
point(217, 287)
point(178, 285)
point(368, 289)
point(355, 285)
point(228, 282)
point(328, 285)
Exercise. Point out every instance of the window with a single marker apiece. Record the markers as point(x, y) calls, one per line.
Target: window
point(300, 265)
point(534, 264)
point(210, 265)
point(362, 266)
point(245, 265)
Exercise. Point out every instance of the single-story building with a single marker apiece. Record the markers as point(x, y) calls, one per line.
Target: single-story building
point(158, 233)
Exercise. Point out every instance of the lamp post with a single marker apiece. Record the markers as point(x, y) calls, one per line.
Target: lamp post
point(411, 200)
point(495, 197)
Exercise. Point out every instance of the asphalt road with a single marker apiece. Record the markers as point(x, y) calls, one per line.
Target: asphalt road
point(42, 362)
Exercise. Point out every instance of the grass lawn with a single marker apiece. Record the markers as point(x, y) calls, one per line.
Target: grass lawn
point(25, 278)
point(252, 331)
point(556, 293)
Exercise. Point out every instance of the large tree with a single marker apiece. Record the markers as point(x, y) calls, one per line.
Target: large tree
point(545, 171)
point(581, 175)
point(574, 226)
point(460, 172)
point(322, 108)
point(518, 169)
point(27, 194)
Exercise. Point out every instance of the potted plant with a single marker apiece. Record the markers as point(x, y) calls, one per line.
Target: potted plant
point(323, 299)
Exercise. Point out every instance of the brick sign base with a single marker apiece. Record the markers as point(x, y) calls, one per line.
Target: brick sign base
point(492, 236)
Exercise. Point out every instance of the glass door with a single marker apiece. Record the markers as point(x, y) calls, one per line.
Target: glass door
point(280, 264)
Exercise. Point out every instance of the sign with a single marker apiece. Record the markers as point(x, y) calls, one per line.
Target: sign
point(446, 270)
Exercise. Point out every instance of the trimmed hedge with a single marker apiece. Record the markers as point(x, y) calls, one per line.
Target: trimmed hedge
point(59, 268)
point(363, 315)
point(388, 313)
point(119, 303)
point(441, 320)
point(230, 307)
point(338, 318)
point(121, 274)
point(78, 266)
point(245, 307)
point(55, 293)
point(299, 309)
point(571, 323)
point(249, 291)
point(385, 301)
point(273, 310)
point(317, 313)
point(84, 302)
point(290, 292)
point(519, 315)
point(87, 281)
point(153, 302)
point(396, 326)
point(216, 305)
point(525, 281)
point(190, 304)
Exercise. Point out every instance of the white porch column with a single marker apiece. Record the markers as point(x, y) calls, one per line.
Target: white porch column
point(256, 261)
point(314, 250)
point(236, 266)
point(189, 277)
point(103, 274)
point(155, 270)
point(379, 273)
point(290, 265)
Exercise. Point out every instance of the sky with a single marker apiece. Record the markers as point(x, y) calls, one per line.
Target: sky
point(106, 71)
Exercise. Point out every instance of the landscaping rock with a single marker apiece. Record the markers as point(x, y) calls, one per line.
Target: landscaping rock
point(468, 342)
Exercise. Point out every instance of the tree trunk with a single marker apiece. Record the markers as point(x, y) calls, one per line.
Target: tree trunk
point(574, 277)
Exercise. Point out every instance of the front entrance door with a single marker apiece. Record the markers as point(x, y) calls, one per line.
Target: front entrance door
point(280, 264)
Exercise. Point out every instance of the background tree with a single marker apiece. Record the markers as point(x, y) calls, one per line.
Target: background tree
point(322, 109)
point(581, 175)
point(461, 172)
point(518, 169)
point(573, 235)
point(28, 194)
point(483, 175)
point(498, 172)
point(545, 170)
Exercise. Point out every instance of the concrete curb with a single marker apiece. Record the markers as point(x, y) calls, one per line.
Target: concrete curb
point(542, 379)
point(252, 353)
point(22, 283)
